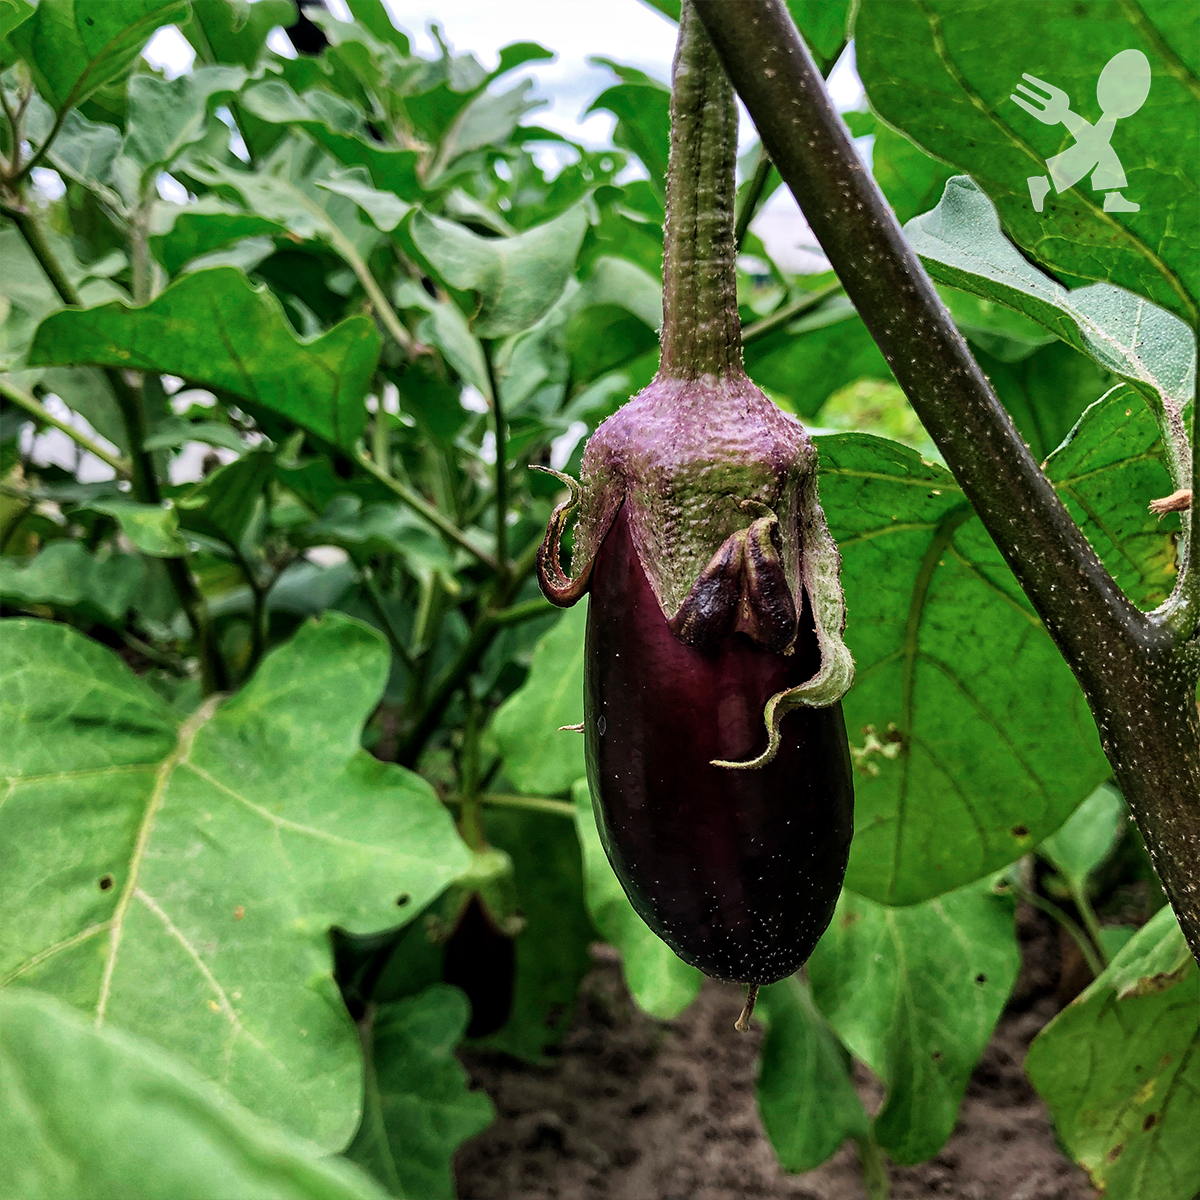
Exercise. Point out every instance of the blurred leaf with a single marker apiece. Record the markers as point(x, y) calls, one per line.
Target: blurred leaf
point(915, 993)
point(72, 49)
point(167, 115)
point(12, 14)
point(642, 106)
point(806, 362)
point(98, 1113)
point(337, 126)
point(537, 758)
point(223, 504)
point(911, 180)
point(385, 210)
point(213, 328)
point(1119, 1069)
point(235, 32)
point(72, 581)
point(417, 1109)
point(961, 244)
point(488, 120)
point(552, 956)
point(181, 233)
point(1003, 333)
point(179, 877)
point(152, 528)
point(516, 279)
point(962, 766)
point(928, 71)
point(805, 1096)
point(1087, 837)
point(381, 529)
point(660, 982)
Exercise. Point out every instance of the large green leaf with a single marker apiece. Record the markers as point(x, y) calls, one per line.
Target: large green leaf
point(915, 993)
point(1088, 837)
point(642, 106)
point(213, 328)
point(180, 233)
point(945, 73)
point(90, 1114)
point(961, 244)
point(178, 875)
point(538, 757)
point(805, 1096)
point(516, 279)
point(659, 981)
point(962, 764)
point(417, 1109)
point(74, 47)
point(68, 579)
point(1119, 1069)
point(234, 32)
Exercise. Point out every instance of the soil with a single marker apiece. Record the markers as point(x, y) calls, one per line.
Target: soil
point(636, 1109)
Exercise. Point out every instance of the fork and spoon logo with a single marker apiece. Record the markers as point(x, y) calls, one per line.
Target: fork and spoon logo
point(1121, 90)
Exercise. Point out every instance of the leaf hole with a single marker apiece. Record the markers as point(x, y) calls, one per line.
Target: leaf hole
point(981, 978)
point(1020, 831)
point(936, 1056)
point(106, 882)
point(1150, 1121)
point(402, 899)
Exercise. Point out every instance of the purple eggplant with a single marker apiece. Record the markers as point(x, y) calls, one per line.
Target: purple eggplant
point(717, 754)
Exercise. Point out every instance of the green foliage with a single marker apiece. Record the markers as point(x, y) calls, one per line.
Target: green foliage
point(92, 1113)
point(929, 73)
point(370, 278)
point(1119, 1069)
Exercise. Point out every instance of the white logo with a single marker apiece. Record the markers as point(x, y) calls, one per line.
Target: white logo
point(1121, 90)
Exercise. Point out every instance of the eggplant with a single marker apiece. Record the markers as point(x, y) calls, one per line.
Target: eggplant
point(480, 958)
point(716, 749)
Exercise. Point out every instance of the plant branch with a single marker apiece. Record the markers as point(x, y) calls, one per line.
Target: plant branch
point(749, 205)
point(1078, 936)
point(1134, 669)
point(383, 309)
point(420, 506)
point(35, 408)
point(20, 172)
point(789, 313)
point(501, 458)
point(375, 599)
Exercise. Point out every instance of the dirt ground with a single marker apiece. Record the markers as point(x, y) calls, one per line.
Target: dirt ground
point(636, 1109)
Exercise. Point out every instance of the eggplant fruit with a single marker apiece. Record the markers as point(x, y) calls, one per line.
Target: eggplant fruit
point(717, 754)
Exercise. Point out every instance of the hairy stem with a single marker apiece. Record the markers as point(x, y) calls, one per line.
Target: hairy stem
point(700, 333)
point(35, 408)
point(1137, 671)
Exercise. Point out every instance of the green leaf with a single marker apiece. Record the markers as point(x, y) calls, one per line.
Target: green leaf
point(804, 363)
point(915, 993)
point(152, 528)
point(179, 877)
point(961, 765)
point(223, 504)
point(928, 71)
point(98, 1113)
point(537, 757)
point(233, 32)
point(911, 179)
point(642, 107)
point(552, 955)
point(384, 209)
point(167, 115)
point(213, 328)
point(1088, 836)
point(660, 982)
point(12, 14)
point(180, 233)
point(961, 244)
point(72, 581)
point(381, 529)
point(516, 280)
point(1119, 1069)
point(488, 120)
point(417, 1109)
point(805, 1096)
point(73, 48)
point(823, 24)
point(337, 126)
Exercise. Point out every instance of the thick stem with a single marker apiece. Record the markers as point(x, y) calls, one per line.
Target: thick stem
point(701, 331)
point(1136, 671)
point(874, 1169)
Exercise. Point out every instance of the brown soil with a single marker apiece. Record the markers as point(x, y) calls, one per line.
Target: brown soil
point(637, 1109)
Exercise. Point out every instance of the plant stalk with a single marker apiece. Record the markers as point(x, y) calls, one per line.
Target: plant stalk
point(35, 408)
point(1136, 670)
point(789, 313)
point(501, 458)
point(701, 333)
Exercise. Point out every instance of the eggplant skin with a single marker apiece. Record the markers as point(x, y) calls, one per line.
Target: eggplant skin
point(738, 871)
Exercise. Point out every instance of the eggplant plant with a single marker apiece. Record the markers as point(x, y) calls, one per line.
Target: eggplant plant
point(287, 817)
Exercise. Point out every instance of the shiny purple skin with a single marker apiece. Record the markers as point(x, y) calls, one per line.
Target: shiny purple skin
point(737, 871)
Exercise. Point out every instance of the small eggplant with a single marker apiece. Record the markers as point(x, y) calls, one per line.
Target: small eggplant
point(716, 750)
point(480, 958)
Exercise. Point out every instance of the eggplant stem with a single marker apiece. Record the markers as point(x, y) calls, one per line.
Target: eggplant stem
point(743, 1022)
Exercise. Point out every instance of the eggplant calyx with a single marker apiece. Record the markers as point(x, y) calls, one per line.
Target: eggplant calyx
point(742, 589)
point(557, 586)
